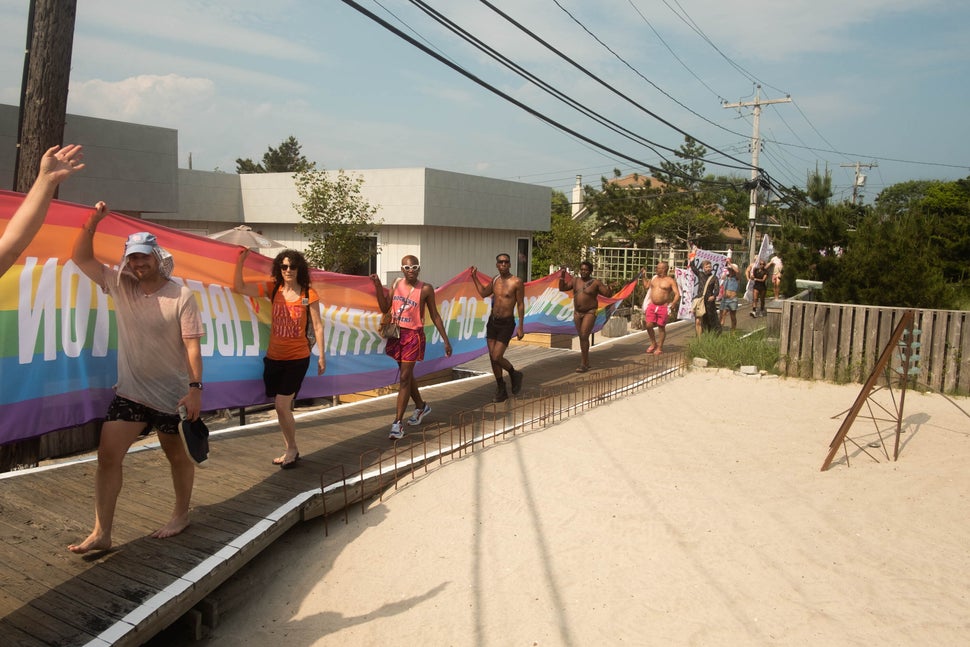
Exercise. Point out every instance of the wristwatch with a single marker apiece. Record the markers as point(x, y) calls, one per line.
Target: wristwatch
point(195, 385)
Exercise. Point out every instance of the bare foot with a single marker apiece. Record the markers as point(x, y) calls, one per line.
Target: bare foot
point(94, 542)
point(174, 526)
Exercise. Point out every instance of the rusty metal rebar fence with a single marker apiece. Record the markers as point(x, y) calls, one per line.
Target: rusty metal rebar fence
point(380, 469)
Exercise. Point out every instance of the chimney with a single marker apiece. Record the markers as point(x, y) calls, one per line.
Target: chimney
point(577, 197)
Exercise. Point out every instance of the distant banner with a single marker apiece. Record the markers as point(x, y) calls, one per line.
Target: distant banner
point(59, 342)
point(687, 278)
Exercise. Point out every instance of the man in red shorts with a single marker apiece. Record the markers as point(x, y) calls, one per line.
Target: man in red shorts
point(407, 300)
point(663, 297)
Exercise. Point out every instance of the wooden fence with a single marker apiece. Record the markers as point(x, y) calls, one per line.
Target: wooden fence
point(841, 343)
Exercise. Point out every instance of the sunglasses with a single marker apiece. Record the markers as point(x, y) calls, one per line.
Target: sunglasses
point(287, 268)
point(408, 268)
point(503, 261)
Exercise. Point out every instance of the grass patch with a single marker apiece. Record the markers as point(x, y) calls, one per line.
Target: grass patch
point(734, 350)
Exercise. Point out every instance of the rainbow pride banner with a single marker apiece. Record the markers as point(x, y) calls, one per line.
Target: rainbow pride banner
point(59, 342)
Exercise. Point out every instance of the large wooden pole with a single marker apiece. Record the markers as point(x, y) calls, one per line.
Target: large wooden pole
point(43, 103)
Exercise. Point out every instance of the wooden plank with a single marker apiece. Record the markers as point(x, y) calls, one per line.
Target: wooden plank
point(843, 356)
point(927, 330)
point(784, 333)
point(808, 341)
point(819, 335)
point(938, 348)
point(54, 603)
point(951, 362)
point(858, 356)
point(831, 351)
point(21, 618)
point(798, 332)
point(963, 379)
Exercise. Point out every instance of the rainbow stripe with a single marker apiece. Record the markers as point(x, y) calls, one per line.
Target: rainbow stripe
point(58, 340)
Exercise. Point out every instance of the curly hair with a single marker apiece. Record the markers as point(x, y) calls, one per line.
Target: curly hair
point(296, 258)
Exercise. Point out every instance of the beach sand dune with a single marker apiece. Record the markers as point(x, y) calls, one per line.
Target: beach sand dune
point(693, 513)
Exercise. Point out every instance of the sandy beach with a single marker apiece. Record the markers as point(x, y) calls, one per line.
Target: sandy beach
point(693, 513)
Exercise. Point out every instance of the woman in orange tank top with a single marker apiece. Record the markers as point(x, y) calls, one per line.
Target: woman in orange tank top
point(288, 355)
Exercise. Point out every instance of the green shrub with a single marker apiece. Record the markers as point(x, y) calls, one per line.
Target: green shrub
point(735, 350)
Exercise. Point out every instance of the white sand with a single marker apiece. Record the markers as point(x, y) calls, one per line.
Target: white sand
point(692, 513)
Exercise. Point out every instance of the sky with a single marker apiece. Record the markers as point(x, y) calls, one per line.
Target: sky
point(873, 82)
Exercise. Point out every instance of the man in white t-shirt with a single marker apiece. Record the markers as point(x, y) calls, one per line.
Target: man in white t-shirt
point(159, 371)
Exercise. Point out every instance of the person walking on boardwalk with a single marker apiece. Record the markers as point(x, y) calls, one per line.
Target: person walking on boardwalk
point(775, 268)
point(729, 302)
point(706, 289)
point(295, 307)
point(159, 371)
point(663, 294)
point(585, 289)
point(56, 165)
point(508, 295)
point(758, 275)
point(407, 300)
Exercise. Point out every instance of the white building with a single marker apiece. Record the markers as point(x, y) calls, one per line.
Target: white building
point(448, 220)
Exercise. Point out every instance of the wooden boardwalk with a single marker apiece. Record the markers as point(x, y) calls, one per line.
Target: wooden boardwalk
point(242, 503)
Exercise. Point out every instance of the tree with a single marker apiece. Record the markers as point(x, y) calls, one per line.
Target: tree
point(891, 262)
point(285, 159)
point(44, 103)
point(684, 206)
point(687, 174)
point(624, 213)
point(947, 207)
point(813, 238)
point(564, 243)
point(684, 224)
point(339, 223)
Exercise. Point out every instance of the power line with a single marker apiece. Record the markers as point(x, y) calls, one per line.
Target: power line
point(637, 72)
point(557, 52)
point(472, 77)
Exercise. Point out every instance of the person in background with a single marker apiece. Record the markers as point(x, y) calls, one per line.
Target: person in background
point(775, 267)
point(586, 291)
point(409, 298)
point(729, 302)
point(758, 275)
point(663, 295)
point(706, 288)
point(159, 371)
point(295, 307)
point(508, 295)
point(56, 165)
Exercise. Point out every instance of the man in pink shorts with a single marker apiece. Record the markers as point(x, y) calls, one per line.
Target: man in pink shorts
point(663, 295)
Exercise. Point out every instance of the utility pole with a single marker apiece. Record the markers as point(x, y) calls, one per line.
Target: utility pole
point(43, 98)
point(860, 179)
point(755, 150)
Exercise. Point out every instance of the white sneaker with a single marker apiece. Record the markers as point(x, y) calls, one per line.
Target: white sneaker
point(396, 431)
point(419, 415)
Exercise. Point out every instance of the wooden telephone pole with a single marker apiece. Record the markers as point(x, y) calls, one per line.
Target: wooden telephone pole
point(859, 180)
point(43, 93)
point(755, 150)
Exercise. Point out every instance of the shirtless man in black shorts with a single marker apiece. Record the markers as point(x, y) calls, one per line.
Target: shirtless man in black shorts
point(585, 291)
point(508, 294)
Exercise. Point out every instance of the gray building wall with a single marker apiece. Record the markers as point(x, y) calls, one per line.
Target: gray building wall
point(132, 167)
point(449, 220)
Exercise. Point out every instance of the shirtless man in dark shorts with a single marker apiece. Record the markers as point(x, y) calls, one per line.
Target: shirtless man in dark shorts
point(508, 294)
point(585, 291)
point(664, 295)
